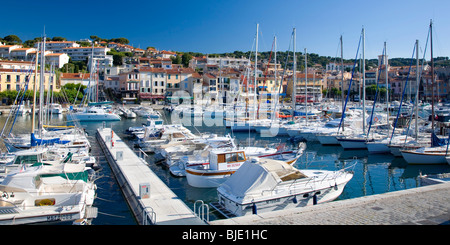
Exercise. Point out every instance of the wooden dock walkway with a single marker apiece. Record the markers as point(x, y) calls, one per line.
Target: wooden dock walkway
point(149, 198)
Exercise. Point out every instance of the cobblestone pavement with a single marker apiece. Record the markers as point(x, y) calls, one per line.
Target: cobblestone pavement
point(428, 205)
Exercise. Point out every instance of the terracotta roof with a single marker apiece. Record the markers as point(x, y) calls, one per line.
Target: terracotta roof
point(75, 75)
point(54, 54)
point(21, 49)
point(151, 69)
point(84, 47)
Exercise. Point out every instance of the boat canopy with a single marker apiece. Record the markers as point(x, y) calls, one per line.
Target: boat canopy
point(256, 176)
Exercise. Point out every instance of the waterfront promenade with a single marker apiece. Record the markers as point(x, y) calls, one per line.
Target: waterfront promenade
point(427, 205)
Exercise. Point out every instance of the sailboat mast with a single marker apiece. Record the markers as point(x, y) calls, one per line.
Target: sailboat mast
point(387, 85)
point(432, 76)
point(364, 82)
point(256, 65)
point(33, 111)
point(342, 74)
point(416, 100)
point(294, 78)
point(275, 73)
point(306, 87)
point(41, 88)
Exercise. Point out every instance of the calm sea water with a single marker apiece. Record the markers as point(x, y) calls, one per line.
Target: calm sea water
point(374, 173)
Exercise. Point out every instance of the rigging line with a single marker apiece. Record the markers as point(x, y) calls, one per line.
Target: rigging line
point(420, 78)
point(403, 94)
point(376, 94)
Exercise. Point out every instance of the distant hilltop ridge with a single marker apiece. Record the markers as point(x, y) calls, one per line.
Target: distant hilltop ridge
point(121, 44)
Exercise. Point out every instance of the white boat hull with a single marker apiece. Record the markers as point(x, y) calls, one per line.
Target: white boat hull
point(413, 157)
point(93, 118)
point(301, 198)
point(327, 139)
point(350, 143)
point(207, 179)
point(377, 147)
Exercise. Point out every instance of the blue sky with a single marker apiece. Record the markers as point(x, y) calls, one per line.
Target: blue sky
point(217, 26)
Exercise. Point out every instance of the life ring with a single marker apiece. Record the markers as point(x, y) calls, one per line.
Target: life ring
point(376, 119)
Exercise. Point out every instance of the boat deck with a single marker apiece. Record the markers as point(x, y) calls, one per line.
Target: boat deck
point(161, 206)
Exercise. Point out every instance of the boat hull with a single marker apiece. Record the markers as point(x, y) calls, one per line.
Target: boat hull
point(93, 118)
point(352, 143)
point(207, 178)
point(301, 198)
point(413, 157)
point(377, 148)
point(327, 139)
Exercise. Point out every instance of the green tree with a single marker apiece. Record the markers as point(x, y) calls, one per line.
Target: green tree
point(185, 59)
point(58, 39)
point(121, 40)
point(12, 39)
point(176, 59)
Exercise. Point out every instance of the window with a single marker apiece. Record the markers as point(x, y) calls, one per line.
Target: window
point(17, 78)
point(162, 83)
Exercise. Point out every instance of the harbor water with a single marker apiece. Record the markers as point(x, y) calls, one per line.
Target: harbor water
point(373, 173)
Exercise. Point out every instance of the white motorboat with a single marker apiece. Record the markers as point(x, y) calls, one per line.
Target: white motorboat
point(263, 185)
point(290, 156)
point(55, 108)
point(93, 113)
point(47, 193)
point(155, 137)
point(127, 113)
point(222, 164)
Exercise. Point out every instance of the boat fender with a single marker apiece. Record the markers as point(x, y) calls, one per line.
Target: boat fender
point(294, 200)
point(5, 195)
point(254, 209)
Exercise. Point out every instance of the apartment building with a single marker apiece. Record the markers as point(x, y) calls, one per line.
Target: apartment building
point(314, 86)
point(17, 65)
point(5, 50)
point(152, 83)
point(58, 46)
point(129, 86)
point(84, 53)
point(75, 78)
point(16, 79)
point(21, 53)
